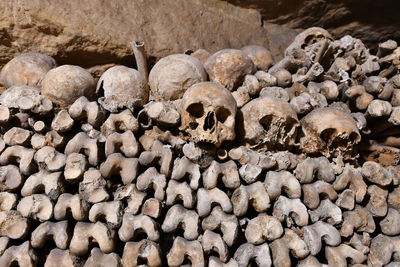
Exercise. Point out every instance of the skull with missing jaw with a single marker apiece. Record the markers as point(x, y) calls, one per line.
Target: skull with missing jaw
point(208, 113)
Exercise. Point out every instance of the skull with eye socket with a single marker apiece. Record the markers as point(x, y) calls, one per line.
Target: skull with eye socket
point(208, 113)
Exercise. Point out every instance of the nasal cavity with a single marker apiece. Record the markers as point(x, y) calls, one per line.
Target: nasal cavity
point(209, 122)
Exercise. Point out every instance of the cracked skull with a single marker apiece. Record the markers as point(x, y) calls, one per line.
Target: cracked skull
point(269, 123)
point(208, 113)
point(329, 131)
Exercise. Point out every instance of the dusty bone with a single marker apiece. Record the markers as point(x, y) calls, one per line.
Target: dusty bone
point(157, 153)
point(151, 178)
point(253, 194)
point(121, 122)
point(228, 224)
point(78, 207)
point(247, 253)
point(8, 201)
point(172, 75)
point(211, 241)
point(111, 212)
point(216, 262)
point(351, 178)
point(83, 108)
point(26, 98)
point(270, 123)
point(338, 256)
point(75, 166)
point(336, 137)
point(379, 108)
point(122, 142)
point(183, 167)
point(87, 233)
point(382, 249)
point(375, 173)
point(207, 198)
point(390, 225)
point(179, 217)
point(276, 182)
point(377, 204)
point(265, 79)
point(37, 206)
point(346, 199)
point(250, 173)
point(283, 77)
point(5, 114)
point(261, 56)
point(152, 207)
point(81, 141)
point(394, 198)
point(208, 119)
point(359, 220)
point(290, 210)
point(10, 178)
point(394, 118)
point(180, 191)
point(328, 88)
point(306, 102)
point(312, 193)
point(23, 254)
point(22, 155)
point(289, 244)
point(50, 159)
point(51, 138)
point(58, 231)
point(263, 228)
point(132, 196)
point(135, 224)
point(360, 242)
point(245, 155)
point(106, 259)
point(144, 249)
point(50, 183)
point(17, 136)
point(57, 257)
point(226, 171)
point(228, 67)
point(92, 188)
point(117, 164)
point(182, 248)
point(326, 211)
point(310, 168)
point(62, 122)
point(275, 92)
point(13, 224)
point(320, 232)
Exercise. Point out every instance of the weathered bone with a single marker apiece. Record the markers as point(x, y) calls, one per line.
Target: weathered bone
point(179, 217)
point(182, 248)
point(48, 230)
point(144, 249)
point(134, 224)
point(117, 164)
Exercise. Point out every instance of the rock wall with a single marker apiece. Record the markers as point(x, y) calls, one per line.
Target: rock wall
point(95, 34)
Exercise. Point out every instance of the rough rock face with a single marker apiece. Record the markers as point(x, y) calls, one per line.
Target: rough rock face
point(94, 34)
point(369, 20)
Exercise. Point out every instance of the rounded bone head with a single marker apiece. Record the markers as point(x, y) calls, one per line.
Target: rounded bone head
point(261, 56)
point(329, 131)
point(26, 69)
point(229, 67)
point(122, 87)
point(269, 123)
point(208, 113)
point(65, 84)
point(173, 75)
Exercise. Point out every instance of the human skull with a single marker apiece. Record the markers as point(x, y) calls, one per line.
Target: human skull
point(261, 56)
point(308, 37)
point(171, 76)
point(330, 131)
point(208, 113)
point(269, 123)
point(229, 67)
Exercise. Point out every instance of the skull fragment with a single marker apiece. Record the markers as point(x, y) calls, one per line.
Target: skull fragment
point(208, 113)
point(269, 123)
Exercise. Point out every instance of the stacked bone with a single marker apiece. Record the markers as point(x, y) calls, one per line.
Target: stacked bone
point(285, 164)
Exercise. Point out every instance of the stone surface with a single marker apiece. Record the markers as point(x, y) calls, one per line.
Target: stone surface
point(95, 34)
point(370, 20)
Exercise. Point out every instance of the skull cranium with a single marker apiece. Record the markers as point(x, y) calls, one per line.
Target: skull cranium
point(269, 123)
point(330, 131)
point(208, 113)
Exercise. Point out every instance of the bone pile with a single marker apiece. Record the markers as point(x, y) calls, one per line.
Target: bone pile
point(224, 159)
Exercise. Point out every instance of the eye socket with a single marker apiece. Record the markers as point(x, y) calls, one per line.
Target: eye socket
point(196, 110)
point(222, 114)
point(266, 122)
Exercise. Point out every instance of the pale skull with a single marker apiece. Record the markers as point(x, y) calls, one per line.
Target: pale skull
point(329, 131)
point(208, 113)
point(269, 123)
